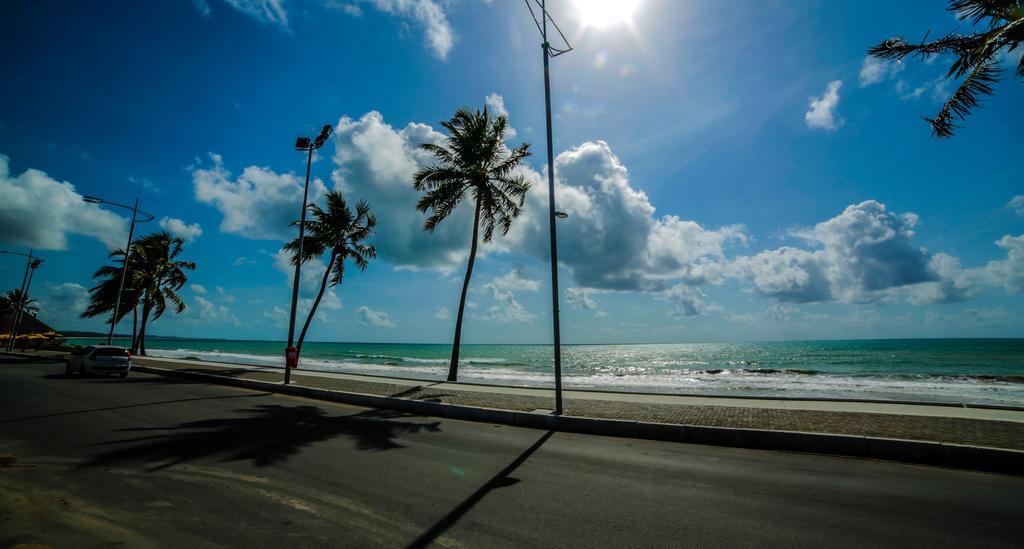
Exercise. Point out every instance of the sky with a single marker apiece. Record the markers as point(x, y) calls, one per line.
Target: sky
point(747, 177)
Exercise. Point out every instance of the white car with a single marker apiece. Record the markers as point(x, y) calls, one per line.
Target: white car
point(100, 359)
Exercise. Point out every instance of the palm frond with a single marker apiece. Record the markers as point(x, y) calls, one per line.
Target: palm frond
point(965, 98)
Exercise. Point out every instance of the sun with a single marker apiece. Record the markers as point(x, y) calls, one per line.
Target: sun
point(604, 13)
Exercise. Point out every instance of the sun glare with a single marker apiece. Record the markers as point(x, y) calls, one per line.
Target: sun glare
point(604, 13)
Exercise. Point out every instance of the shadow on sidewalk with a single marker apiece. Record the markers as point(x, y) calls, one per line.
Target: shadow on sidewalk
point(500, 480)
point(266, 435)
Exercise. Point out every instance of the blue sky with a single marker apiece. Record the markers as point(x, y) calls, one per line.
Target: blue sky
point(737, 176)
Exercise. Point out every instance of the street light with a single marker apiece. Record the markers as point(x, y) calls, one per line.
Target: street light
point(26, 280)
point(136, 212)
point(549, 52)
point(291, 353)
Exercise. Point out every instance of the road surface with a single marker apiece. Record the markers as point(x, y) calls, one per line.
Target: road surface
point(154, 461)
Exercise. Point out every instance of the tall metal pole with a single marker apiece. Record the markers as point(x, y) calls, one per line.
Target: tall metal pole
point(124, 272)
point(24, 300)
point(298, 267)
point(551, 216)
point(17, 312)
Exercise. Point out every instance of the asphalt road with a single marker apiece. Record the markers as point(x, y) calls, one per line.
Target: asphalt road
point(153, 461)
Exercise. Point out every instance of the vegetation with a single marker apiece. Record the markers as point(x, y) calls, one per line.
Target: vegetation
point(153, 279)
point(341, 233)
point(976, 56)
point(474, 163)
point(13, 300)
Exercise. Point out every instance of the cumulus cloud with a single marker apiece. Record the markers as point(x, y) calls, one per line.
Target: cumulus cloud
point(265, 11)
point(202, 7)
point(864, 254)
point(688, 301)
point(40, 212)
point(1017, 204)
point(612, 239)
point(208, 312)
point(496, 104)
point(578, 298)
point(427, 14)
point(198, 289)
point(822, 112)
point(875, 70)
point(1009, 272)
point(258, 204)
point(506, 308)
point(181, 229)
point(442, 313)
point(67, 300)
point(371, 317)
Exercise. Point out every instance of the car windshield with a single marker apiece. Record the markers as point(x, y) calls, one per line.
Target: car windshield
point(110, 352)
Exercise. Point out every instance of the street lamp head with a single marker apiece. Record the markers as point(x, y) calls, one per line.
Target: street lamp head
point(36, 263)
point(92, 199)
point(561, 215)
point(302, 144)
point(325, 134)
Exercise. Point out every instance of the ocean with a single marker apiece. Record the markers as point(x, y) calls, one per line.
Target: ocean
point(977, 371)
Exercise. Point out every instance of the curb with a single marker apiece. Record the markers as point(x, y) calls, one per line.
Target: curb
point(995, 460)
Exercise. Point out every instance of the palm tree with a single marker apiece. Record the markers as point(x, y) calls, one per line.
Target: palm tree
point(15, 300)
point(338, 231)
point(154, 277)
point(477, 162)
point(104, 293)
point(977, 55)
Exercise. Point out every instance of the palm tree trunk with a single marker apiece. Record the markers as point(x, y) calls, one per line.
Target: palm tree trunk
point(135, 326)
point(453, 369)
point(316, 303)
point(141, 342)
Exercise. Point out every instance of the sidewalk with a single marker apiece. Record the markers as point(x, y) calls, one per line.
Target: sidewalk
point(971, 437)
point(993, 428)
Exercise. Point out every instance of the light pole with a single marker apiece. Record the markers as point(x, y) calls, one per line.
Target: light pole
point(553, 214)
point(301, 144)
point(30, 265)
point(136, 212)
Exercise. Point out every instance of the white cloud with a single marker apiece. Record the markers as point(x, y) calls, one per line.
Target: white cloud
point(278, 316)
point(428, 14)
point(198, 289)
point(259, 204)
point(202, 7)
point(264, 11)
point(442, 313)
point(579, 299)
point(242, 260)
point(179, 228)
point(875, 70)
point(1009, 272)
point(506, 307)
point(496, 104)
point(788, 274)
point(516, 279)
point(1017, 204)
point(67, 300)
point(822, 114)
point(371, 317)
point(37, 211)
point(688, 301)
point(208, 312)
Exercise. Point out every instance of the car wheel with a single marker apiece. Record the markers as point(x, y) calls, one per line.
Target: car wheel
point(123, 375)
point(67, 369)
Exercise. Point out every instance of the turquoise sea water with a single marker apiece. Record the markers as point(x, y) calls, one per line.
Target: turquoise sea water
point(951, 370)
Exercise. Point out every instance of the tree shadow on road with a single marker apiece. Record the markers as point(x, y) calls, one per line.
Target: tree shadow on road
point(500, 480)
point(266, 435)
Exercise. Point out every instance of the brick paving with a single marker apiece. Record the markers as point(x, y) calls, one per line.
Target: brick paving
point(976, 432)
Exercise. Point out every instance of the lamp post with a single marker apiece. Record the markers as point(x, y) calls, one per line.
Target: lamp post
point(301, 144)
point(30, 266)
point(553, 214)
point(136, 212)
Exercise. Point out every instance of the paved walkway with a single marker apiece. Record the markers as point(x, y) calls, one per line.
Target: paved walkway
point(995, 428)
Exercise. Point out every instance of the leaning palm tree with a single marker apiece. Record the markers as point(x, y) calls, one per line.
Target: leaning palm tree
point(976, 55)
point(15, 300)
point(154, 277)
point(474, 163)
point(104, 294)
point(338, 231)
